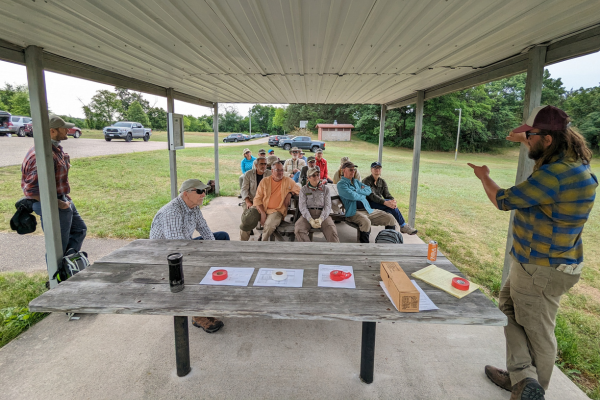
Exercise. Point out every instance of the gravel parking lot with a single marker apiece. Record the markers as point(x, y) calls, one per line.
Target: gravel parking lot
point(13, 149)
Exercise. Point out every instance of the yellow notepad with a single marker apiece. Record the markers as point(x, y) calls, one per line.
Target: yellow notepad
point(442, 279)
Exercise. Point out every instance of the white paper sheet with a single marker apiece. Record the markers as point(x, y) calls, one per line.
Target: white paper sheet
point(294, 278)
point(425, 302)
point(325, 280)
point(235, 276)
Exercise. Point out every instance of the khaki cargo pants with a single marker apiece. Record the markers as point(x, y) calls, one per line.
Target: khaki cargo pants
point(530, 298)
point(364, 220)
point(328, 228)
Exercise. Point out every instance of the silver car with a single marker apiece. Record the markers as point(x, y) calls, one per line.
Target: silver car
point(14, 124)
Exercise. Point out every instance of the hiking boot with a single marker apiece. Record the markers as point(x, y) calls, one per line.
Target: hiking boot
point(527, 389)
point(209, 324)
point(364, 237)
point(499, 376)
point(409, 230)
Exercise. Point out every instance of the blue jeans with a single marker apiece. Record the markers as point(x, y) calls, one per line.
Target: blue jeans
point(218, 236)
point(72, 227)
point(394, 211)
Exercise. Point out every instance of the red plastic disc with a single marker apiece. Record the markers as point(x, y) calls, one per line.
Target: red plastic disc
point(337, 275)
point(219, 275)
point(460, 283)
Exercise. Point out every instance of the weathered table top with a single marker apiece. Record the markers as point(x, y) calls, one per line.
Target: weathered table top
point(135, 280)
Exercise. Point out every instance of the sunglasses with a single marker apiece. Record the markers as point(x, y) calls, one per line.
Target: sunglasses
point(529, 134)
point(262, 163)
point(198, 191)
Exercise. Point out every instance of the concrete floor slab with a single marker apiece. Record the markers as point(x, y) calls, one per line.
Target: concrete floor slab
point(132, 356)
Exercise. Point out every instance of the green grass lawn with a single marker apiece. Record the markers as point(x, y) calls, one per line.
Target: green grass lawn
point(119, 195)
point(161, 136)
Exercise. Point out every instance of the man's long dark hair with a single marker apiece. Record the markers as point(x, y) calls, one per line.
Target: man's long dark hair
point(568, 141)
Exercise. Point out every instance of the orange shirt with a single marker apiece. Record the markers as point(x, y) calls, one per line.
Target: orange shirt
point(275, 199)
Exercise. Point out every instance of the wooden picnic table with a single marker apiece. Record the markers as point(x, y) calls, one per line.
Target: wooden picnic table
point(135, 280)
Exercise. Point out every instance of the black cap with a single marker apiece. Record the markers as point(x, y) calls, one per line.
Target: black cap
point(376, 164)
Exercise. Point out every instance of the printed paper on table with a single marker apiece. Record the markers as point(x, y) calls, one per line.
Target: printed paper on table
point(325, 280)
point(235, 276)
point(294, 278)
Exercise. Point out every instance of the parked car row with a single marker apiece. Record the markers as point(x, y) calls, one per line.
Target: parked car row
point(242, 137)
point(23, 126)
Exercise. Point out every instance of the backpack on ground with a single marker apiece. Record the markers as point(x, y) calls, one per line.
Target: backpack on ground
point(72, 263)
point(389, 236)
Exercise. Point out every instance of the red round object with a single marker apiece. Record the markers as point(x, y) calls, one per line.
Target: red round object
point(460, 283)
point(338, 275)
point(219, 275)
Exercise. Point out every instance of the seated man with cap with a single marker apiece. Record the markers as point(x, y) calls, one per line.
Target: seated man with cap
point(339, 174)
point(261, 153)
point(353, 194)
point(381, 199)
point(252, 179)
point(293, 164)
point(315, 207)
point(273, 198)
point(301, 176)
point(178, 219)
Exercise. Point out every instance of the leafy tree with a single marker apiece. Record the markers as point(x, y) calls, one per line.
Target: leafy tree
point(590, 129)
point(279, 119)
point(103, 108)
point(137, 114)
point(127, 98)
point(15, 100)
point(230, 120)
point(158, 118)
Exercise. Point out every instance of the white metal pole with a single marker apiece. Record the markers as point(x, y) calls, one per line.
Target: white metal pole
point(172, 153)
point(34, 62)
point(414, 182)
point(533, 98)
point(216, 146)
point(458, 134)
point(382, 130)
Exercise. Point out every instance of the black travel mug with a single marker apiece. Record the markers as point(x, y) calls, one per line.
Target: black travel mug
point(176, 272)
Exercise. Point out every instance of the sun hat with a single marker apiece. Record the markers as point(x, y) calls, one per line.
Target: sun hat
point(250, 219)
point(245, 151)
point(548, 118)
point(192, 184)
point(294, 149)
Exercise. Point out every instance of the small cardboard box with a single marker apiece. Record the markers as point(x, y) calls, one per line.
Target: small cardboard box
point(402, 291)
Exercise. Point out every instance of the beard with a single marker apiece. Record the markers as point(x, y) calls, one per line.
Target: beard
point(536, 152)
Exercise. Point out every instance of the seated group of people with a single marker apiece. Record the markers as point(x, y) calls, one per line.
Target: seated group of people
point(267, 189)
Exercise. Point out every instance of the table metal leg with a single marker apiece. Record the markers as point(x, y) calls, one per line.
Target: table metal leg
point(182, 346)
point(367, 352)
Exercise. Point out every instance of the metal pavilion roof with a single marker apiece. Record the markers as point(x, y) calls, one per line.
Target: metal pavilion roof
point(293, 51)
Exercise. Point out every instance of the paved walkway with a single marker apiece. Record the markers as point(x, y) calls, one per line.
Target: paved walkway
point(13, 149)
point(132, 356)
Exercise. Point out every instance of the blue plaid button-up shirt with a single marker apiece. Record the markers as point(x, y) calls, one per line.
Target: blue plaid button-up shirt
point(551, 207)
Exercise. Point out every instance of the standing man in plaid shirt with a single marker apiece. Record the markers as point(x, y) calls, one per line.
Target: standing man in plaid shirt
point(551, 208)
point(72, 227)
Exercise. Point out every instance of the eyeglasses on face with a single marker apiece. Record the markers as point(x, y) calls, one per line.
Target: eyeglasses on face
point(529, 134)
point(262, 163)
point(198, 191)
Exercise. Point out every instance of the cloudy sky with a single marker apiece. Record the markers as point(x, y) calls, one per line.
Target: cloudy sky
point(66, 94)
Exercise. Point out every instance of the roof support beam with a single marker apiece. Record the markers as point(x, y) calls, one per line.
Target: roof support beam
point(216, 146)
point(172, 153)
point(382, 129)
point(414, 181)
point(34, 61)
point(52, 62)
point(571, 47)
point(533, 98)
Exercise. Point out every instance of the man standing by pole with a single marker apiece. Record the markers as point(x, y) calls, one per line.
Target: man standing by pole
point(72, 227)
point(551, 208)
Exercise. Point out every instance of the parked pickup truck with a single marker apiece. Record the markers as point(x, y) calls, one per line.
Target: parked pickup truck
point(302, 142)
point(126, 130)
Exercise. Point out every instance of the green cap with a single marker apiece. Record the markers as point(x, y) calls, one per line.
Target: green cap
point(57, 122)
point(250, 219)
point(192, 184)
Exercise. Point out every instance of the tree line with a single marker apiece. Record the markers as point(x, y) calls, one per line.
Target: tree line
point(489, 112)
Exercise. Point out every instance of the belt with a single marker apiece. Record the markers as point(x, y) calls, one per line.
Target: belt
point(315, 208)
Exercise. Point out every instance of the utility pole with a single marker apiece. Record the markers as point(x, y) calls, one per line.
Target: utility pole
point(250, 119)
point(458, 134)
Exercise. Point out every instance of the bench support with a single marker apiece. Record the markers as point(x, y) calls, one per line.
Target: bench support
point(182, 346)
point(367, 352)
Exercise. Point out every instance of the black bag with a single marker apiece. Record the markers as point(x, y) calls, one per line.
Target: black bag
point(72, 263)
point(24, 221)
point(389, 236)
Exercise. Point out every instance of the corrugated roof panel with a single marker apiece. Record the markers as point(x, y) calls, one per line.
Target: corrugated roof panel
point(289, 51)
